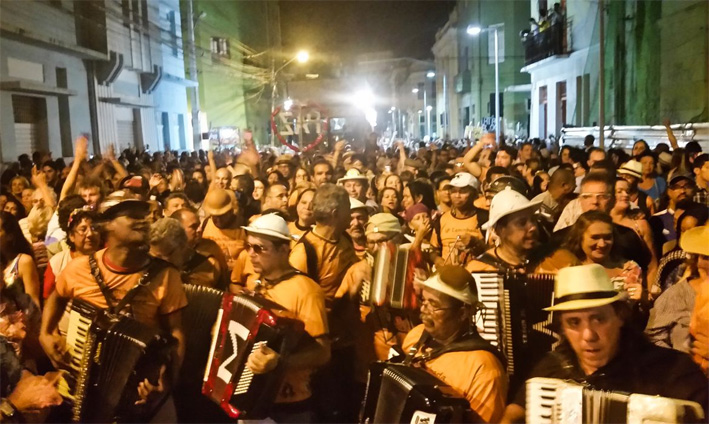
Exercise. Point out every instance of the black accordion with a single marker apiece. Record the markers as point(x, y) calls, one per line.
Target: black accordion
point(403, 394)
point(244, 323)
point(110, 355)
point(551, 400)
point(198, 319)
point(392, 284)
point(513, 318)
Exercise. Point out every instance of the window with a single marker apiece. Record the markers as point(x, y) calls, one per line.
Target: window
point(173, 32)
point(220, 47)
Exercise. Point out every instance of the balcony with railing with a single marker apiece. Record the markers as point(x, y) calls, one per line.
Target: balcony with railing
point(552, 41)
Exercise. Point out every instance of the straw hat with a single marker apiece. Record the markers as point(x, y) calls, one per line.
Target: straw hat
point(356, 204)
point(270, 225)
point(454, 281)
point(582, 287)
point(695, 241)
point(632, 168)
point(507, 202)
point(383, 223)
point(119, 202)
point(352, 174)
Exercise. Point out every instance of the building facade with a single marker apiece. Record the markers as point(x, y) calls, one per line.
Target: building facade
point(653, 70)
point(92, 67)
point(445, 52)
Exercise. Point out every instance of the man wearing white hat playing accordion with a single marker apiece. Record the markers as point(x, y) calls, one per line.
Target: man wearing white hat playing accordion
point(599, 350)
point(448, 346)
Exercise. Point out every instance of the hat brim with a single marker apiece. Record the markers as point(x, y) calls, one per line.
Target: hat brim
point(679, 178)
point(435, 283)
point(266, 232)
point(530, 205)
point(575, 305)
point(343, 179)
point(630, 173)
point(126, 205)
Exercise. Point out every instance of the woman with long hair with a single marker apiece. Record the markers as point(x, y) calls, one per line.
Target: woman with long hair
point(592, 240)
point(418, 192)
point(390, 200)
point(651, 184)
point(622, 214)
point(16, 258)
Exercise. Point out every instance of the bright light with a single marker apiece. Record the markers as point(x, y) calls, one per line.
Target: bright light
point(429, 108)
point(431, 74)
point(420, 112)
point(474, 30)
point(288, 104)
point(363, 99)
point(415, 90)
point(302, 56)
point(392, 109)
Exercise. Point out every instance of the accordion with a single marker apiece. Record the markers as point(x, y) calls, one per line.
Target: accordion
point(392, 283)
point(109, 356)
point(244, 323)
point(403, 394)
point(551, 400)
point(198, 318)
point(513, 318)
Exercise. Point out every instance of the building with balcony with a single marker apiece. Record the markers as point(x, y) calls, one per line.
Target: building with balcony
point(473, 82)
point(652, 71)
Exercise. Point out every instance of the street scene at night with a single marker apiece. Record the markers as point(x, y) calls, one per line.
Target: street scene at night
point(354, 211)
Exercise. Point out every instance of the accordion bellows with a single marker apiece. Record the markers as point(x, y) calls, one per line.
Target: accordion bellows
point(551, 400)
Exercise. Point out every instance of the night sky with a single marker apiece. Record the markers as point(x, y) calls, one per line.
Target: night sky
point(346, 27)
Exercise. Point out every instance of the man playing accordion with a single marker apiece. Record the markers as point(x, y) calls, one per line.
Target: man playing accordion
point(600, 350)
point(448, 346)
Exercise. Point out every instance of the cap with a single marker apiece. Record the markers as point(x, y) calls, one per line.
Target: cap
point(582, 287)
point(136, 182)
point(414, 210)
point(677, 176)
point(120, 202)
point(696, 241)
point(504, 181)
point(464, 179)
point(632, 168)
point(454, 281)
point(270, 225)
point(352, 174)
point(664, 158)
point(382, 223)
point(218, 201)
point(356, 204)
point(505, 203)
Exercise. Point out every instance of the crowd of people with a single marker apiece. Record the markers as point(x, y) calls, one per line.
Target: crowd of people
point(625, 234)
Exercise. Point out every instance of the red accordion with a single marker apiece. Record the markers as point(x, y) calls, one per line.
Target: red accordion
point(244, 323)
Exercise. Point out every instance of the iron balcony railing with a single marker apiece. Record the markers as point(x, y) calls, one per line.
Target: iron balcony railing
point(552, 41)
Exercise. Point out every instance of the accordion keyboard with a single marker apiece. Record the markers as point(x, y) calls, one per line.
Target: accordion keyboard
point(76, 336)
point(489, 287)
point(247, 375)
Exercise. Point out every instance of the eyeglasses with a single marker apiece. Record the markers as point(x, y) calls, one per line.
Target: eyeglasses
point(426, 304)
point(597, 196)
point(82, 231)
point(258, 249)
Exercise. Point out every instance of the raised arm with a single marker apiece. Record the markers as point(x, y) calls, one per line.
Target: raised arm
point(80, 154)
point(670, 134)
point(40, 181)
point(402, 156)
point(117, 165)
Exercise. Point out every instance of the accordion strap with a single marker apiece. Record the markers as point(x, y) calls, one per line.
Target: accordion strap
point(114, 306)
point(467, 343)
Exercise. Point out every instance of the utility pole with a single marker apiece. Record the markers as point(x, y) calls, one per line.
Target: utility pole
point(194, 91)
point(601, 75)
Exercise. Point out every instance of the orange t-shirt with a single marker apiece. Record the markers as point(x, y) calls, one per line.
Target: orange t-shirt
point(230, 240)
point(476, 375)
point(451, 229)
point(333, 260)
point(162, 296)
point(305, 300)
point(699, 328)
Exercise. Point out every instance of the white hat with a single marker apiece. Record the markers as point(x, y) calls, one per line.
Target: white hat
point(465, 179)
point(505, 203)
point(356, 204)
point(582, 287)
point(270, 225)
point(632, 168)
point(454, 281)
point(352, 174)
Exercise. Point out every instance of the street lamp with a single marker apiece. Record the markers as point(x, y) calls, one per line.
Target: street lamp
point(415, 90)
point(474, 31)
point(302, 57)
point(431, 74)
